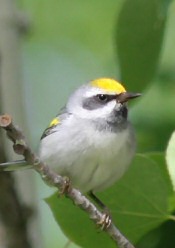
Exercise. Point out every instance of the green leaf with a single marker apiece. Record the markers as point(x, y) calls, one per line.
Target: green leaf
point(161, 237)
point(170, 158)
point(76, 225)
point(138, 203)
point(140, 31)
point(159, 158)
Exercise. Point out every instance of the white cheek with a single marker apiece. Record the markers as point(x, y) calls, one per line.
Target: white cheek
point(102, 112)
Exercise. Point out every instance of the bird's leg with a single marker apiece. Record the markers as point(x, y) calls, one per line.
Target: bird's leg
point(97, 200)
point(106, 219)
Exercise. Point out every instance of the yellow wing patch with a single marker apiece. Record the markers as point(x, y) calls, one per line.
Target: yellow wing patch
point(54, 122)
point(50, 129)
point(109, 85)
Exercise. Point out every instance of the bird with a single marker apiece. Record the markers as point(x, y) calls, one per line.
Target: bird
point(90, 141)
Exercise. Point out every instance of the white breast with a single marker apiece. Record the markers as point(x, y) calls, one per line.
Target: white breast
point(92, 159)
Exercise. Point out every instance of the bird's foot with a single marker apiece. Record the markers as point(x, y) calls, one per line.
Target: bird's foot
point(65, 188)
point(105, 220)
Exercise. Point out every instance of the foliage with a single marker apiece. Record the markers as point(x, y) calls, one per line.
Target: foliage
point(137, 210)
point(73, 42)
point(140, 31)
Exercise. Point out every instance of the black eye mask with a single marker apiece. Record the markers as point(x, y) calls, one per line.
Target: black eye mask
point(97, 101)
point(100, 100)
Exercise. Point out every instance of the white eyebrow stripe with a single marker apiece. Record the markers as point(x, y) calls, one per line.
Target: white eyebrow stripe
point(96, 91)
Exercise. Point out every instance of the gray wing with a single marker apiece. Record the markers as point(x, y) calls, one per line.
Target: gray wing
point(63, 114)
point(22, 164)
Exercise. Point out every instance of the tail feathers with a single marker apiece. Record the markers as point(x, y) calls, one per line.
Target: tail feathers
point(14, 165)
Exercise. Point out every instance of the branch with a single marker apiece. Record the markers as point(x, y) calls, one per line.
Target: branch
point(21, 147)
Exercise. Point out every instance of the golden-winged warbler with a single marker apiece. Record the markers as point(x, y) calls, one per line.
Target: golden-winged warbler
point(91, 140)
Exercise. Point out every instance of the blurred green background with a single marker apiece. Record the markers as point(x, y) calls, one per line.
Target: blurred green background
point(72, 42)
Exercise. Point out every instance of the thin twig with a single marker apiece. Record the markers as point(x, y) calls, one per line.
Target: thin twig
point(21, 147)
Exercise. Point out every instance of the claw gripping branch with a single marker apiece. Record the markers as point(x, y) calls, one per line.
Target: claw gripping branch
point(21, 147)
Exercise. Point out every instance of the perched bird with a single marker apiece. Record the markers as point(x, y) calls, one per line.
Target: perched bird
point(91, 140)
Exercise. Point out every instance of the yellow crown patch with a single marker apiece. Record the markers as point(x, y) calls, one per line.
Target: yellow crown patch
point(109, 85)
point(54, 122)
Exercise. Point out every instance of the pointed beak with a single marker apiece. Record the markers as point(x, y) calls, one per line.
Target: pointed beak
point(126, 96)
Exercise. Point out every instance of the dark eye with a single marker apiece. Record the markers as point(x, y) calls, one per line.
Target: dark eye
point(102, 97)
